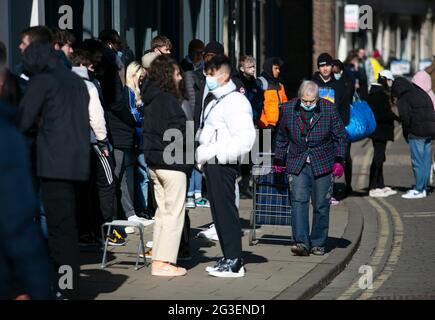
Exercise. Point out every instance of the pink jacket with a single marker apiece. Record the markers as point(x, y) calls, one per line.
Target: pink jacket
point(424, 81)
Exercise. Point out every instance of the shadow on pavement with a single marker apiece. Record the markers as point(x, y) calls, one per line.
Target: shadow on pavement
point(334, 243)
point(98, 281)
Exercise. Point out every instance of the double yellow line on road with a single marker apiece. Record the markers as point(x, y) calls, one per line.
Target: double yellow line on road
point(381, 247)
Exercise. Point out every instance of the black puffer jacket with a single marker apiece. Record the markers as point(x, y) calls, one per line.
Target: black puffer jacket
point(58, 101)
point(162, 112)
point(379, 102)
point(415, 108)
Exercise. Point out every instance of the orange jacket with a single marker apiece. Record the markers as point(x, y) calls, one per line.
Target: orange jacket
point(272, 100)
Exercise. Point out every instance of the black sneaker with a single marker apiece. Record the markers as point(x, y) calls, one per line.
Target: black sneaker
point(300, 250)
point(216, 266)
point(116, 240)
point(90, 240)
point(318, 251)
point(229, 268)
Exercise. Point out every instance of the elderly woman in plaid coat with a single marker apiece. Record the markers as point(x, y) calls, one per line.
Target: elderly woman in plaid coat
point(311, 143)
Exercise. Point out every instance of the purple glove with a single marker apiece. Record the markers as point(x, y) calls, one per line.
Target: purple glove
point(278, 169)
point(337, 170)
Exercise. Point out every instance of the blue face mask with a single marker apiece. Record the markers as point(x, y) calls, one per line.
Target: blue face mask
point(212, 83)
point(120, 54)
point(337, 76)
point(309, 107)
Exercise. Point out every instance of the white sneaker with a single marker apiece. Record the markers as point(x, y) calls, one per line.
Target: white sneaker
point(378, 193)
point(210, 233)
point(129, 230)
point(227, 273)
point(215, 267)
point(143, 221)
point(149, 244)
point(190, 203)
point(414, 194)
point(389, 191)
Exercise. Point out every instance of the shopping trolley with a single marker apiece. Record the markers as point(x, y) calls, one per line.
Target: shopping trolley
point(271, 202)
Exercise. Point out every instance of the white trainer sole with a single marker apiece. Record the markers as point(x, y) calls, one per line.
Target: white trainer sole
point(217, 274)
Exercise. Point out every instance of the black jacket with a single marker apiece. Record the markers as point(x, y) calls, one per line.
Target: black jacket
point(59, 100)
point(162, 111)
point(343, 100)
point(415, 109)
point(23, 251)
point(120, 122)
point(379, 102)
point(11, 92)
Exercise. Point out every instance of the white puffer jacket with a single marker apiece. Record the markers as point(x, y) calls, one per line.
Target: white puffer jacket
point(228, 133)
point(96, 111)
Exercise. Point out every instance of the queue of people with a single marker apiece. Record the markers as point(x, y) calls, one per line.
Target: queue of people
point(95, 130)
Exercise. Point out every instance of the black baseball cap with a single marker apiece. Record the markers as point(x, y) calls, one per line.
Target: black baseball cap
point(324, 59)
point(214, 47)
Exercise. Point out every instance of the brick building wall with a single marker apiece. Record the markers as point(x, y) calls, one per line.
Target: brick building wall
point(323, 28)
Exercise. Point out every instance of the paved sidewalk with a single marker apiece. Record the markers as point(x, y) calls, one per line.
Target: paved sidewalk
point(271, 268)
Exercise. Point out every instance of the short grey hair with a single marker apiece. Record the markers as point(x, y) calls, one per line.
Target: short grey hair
point(308, 88)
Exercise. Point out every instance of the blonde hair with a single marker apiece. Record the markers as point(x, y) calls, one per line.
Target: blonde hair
point(135, 69)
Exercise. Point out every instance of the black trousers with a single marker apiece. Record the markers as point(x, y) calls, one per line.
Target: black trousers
point(97, 198)
point(106, 186)
point(377, 167)
point(185, 237)
point(59, 200)
point(221, 181)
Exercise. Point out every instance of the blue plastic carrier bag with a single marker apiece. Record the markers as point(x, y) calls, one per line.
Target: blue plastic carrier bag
point(362, 121)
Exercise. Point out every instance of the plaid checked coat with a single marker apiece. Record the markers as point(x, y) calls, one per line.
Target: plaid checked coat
point(324, 145)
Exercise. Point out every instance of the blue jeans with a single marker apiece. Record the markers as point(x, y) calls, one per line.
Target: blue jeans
point(421, 157)
point(195, 183)
point(304, 186)
point(142, 181)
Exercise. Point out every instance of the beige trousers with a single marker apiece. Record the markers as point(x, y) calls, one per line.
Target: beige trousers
point(170, 191)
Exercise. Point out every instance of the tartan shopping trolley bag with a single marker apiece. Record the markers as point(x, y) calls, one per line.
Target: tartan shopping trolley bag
point(271, 201)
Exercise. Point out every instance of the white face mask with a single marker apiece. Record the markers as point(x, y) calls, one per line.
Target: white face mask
point(309, 107)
